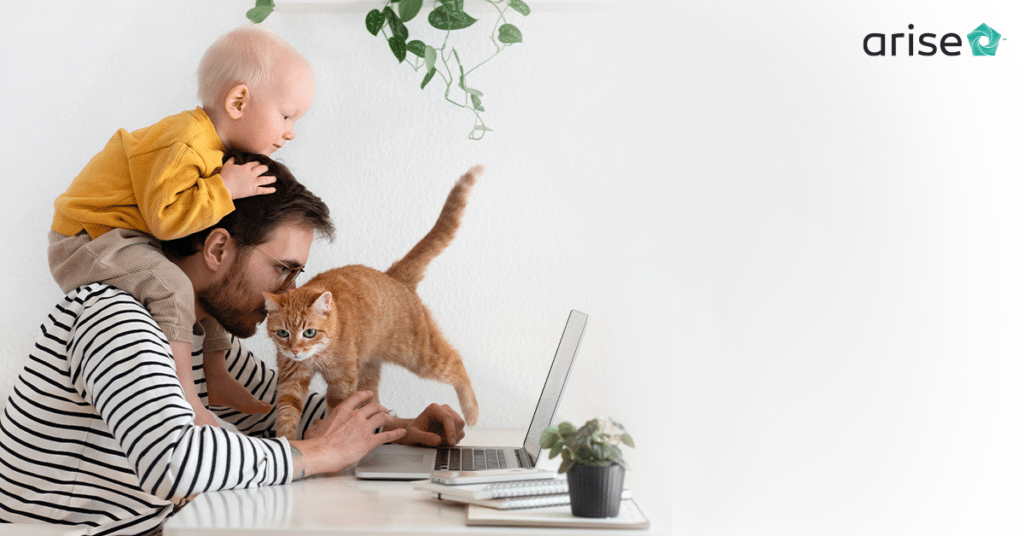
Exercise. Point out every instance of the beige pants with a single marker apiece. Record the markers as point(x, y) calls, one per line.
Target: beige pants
point(134, 262)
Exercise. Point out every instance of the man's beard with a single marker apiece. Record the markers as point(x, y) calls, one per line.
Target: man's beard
point(223, 300)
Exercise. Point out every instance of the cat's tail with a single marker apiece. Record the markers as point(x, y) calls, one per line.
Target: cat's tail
point(411, 268)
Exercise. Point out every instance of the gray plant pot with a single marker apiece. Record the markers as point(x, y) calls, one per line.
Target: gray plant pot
point(595, 491)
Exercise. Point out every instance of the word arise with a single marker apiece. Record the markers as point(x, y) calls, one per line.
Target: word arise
point(874, 44)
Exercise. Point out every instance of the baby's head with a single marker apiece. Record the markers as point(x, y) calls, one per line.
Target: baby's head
point(254, 86)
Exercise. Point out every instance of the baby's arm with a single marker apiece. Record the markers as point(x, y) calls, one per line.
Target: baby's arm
point(247, 179)
point(179, 191)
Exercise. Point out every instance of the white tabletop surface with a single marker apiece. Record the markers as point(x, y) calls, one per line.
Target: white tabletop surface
point(341, 504)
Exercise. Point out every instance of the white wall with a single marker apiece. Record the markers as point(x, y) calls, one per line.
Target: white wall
point(818, 260)
point(852, 297)
point(562, 219)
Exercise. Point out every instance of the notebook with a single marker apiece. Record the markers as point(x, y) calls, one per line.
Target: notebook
point(500, 490)
point(630, 517)
point(509, 495)
point(519, 503)
point(401, 462)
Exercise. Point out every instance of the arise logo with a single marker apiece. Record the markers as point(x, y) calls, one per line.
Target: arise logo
point(989, 36)
point(984, 41)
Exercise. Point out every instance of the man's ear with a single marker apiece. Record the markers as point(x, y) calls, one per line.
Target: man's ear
point(215, 249)
point(237, 101)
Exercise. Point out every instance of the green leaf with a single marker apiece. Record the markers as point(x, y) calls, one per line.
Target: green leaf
point(375, 21)
point(443, 19)
point(554, 453)
point(477, 105)
point(519, 6)
point(473, 93)
point(398, 28)
point(566, 429)
point(417, 48)
point(408, 9)
point(590, 427)
point(509, 34)
point(628, 441)
point(262, 10)
point(453, 6)
point(398, 47)
point(430, 56)
point(548, 437)
point(567, 464)
point(428, 77)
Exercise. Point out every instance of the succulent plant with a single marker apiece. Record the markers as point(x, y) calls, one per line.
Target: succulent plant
point(595, 443)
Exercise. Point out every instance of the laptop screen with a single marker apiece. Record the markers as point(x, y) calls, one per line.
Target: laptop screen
point(555, 383)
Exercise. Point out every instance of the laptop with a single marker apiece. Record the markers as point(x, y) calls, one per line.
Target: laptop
point(401, 462)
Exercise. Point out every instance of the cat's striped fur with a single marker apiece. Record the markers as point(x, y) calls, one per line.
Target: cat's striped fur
point(344, 323)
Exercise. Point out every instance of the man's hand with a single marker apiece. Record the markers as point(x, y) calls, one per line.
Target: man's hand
point(246, 180)
point(343, 437)
point(437, 426)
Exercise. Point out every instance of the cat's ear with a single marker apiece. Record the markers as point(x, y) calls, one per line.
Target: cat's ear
point(322, 306)
point(271, 300)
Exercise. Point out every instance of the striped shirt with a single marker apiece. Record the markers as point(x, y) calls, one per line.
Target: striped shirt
point(97, 431)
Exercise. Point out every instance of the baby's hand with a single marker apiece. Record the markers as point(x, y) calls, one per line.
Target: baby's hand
point(246, 180)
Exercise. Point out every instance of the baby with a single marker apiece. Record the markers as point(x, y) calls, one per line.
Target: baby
point(169, 180)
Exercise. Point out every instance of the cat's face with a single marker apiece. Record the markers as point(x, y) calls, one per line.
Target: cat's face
point(298, 322)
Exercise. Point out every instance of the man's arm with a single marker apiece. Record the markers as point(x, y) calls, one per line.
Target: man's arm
point(174, 199)
point(341, 439)
point(437, 426)
point(120, 363)
point(347, 434)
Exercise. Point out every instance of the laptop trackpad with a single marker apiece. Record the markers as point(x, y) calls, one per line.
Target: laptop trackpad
point(397, 462)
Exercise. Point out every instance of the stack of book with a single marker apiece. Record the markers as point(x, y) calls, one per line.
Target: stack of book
point(545, 490)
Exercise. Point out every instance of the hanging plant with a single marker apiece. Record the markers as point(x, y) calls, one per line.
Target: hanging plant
point(439, 58)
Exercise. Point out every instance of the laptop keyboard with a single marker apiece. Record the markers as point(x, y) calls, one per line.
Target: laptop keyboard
point(469, 459)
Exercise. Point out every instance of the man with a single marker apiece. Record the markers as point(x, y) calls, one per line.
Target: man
point(97, 430)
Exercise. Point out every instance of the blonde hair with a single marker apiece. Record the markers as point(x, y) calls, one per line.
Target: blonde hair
point(245, 55)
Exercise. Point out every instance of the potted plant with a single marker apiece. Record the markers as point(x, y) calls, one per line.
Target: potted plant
point(592, 462)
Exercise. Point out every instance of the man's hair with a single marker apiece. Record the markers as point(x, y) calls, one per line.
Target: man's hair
point(245, 55)
point(256, 217)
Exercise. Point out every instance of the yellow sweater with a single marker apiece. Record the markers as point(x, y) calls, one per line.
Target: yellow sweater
point(163, 179)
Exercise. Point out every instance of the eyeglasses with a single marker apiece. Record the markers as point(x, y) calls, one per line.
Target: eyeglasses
point(293, 271)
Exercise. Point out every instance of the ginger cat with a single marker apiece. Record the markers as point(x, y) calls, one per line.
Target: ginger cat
point(345, 322)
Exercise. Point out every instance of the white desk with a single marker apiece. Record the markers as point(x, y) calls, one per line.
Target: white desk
point(342, 504)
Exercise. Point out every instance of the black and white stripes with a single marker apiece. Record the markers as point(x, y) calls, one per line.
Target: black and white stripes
point(97, 431)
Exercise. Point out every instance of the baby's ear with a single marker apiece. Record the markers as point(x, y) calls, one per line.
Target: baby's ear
point(237, 101)
point(272, 304)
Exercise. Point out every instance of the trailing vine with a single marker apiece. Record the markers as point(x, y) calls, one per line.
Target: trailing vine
point(443, 60)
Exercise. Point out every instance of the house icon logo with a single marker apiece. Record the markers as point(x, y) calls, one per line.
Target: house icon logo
point(984, 41)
